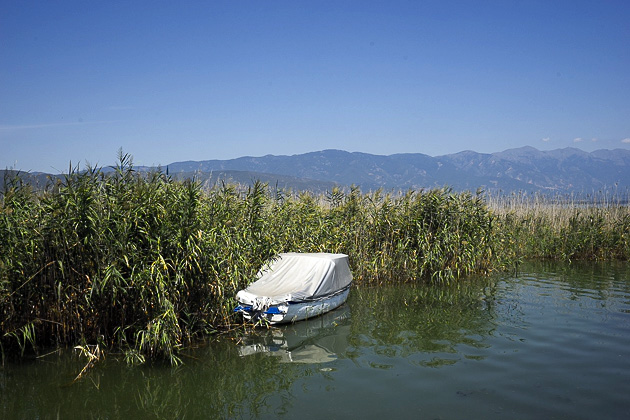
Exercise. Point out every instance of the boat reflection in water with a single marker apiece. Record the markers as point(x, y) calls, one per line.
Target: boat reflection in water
point(318, 340)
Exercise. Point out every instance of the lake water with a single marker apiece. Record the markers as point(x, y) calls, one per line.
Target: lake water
point(550, 341)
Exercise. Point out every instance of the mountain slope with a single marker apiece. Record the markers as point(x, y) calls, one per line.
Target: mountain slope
point(525, 169)
point(522, 169)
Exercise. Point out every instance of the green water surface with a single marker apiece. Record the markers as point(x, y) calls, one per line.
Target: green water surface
point(550, 341)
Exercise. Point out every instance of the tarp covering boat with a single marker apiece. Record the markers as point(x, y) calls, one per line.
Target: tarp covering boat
point(298, 277)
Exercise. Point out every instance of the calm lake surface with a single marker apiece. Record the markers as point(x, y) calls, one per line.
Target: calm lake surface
point(550, 341)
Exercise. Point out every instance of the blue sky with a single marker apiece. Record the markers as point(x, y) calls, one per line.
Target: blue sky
point(171, 81)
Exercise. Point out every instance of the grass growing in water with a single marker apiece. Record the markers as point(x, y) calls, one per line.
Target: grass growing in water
point(595, 227)
point(141, 263)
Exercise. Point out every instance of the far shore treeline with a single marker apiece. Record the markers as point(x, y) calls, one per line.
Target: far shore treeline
point(146, 265)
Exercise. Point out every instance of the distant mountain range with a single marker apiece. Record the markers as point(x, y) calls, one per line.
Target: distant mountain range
point(522, 169)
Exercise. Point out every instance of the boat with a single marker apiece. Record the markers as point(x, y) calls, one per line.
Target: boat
point(296, 286)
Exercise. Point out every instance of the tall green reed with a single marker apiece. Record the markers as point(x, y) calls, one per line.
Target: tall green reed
point(142, 263)
point(589, 227)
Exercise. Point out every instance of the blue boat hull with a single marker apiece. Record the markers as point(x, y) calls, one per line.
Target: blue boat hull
point(294, 311)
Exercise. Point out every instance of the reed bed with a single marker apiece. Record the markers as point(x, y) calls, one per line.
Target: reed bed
point(142, 264)
point(565, 227)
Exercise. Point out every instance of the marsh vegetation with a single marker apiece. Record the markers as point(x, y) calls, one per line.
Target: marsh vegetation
point(592, 227)
point(146, 265)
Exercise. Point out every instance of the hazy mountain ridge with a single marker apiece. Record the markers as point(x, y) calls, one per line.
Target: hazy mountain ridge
point(560, 170)
point(524, 169)
point(521, 169)
point(209, 180)
point(245, 178)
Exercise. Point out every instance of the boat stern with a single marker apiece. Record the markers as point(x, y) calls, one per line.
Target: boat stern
point(273, 314)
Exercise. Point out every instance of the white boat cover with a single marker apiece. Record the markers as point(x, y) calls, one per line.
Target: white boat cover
point(295, 277)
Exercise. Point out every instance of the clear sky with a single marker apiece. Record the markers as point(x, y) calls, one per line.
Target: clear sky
point(179, 80)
